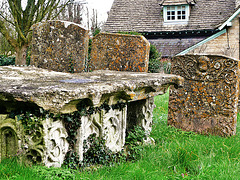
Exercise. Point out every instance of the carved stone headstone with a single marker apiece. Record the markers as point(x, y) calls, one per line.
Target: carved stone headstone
point(120, 52)
point(59, 46)
point(208, 101)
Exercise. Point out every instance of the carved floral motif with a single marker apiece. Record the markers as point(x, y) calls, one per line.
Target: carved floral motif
point(56, 145)
point(114, 128)
point(208, 101)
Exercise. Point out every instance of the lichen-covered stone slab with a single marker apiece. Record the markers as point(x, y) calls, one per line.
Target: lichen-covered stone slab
point(208, 101)
point(120, 52)
point(61, 92)
point(59, 46)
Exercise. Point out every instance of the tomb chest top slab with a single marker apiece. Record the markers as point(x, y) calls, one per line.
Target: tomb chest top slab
point(53, 90)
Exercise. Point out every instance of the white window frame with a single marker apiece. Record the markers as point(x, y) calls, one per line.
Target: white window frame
point(173, 14)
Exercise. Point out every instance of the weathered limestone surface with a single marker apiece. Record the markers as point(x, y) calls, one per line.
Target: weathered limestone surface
point(60, 92)
point(23, 88)
point(10, 134)
point(120, 52)
point(55, 140)
point(207, 103)
point(46, 144)
point(111, 125)
point(60, 46)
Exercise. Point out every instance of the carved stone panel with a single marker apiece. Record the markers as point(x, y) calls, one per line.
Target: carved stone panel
point(114, 128)
point(140, 113)
point(56, 145)
point(110, 125)
point(89, 125)
point(207, 103)
point(9, 137)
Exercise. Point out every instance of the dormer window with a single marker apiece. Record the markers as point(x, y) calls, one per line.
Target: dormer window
point(174, 14)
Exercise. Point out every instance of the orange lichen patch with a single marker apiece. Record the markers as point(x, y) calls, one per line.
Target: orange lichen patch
point(208, 101)
point(132, 95)
point(59, 48)
point(49, 50)
point(120, 52)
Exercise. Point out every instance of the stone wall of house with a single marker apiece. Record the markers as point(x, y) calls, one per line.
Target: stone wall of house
point(59, 46)
point(120, 52)
point(208, 101)
point(226, 44)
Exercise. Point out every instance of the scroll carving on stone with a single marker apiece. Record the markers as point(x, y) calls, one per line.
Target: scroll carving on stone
point(35, 146)
point(89, 125)
point(55, 142)
point(114, 128)
point(208, 101)
point(147, 111)
point(140, 114)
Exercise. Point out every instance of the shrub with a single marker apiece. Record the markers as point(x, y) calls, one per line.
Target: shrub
point(6, 61)
point(156, 64)
point(134, 143)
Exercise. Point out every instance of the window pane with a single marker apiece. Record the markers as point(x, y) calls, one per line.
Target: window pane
point(176, 13)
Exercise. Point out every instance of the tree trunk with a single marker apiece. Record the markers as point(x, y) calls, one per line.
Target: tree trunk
point(21, 54)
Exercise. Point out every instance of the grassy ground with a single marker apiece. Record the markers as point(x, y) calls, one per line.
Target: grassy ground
point(176, 155)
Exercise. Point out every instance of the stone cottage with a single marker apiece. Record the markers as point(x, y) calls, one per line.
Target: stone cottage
point(180, 26)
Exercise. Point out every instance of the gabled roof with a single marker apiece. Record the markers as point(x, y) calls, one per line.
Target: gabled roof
point(176, 2)
point(170, 46)
point(146, 16)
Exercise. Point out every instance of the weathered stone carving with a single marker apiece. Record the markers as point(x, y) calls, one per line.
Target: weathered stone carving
point(140, 113)
point(110, 125)
point(55, 143)
point(59, 46)
point(9, 137)
point(120, 52)
point(89, 125)
point(208, 101)
point(106, 92)
point(114, 127)
point(45, 144)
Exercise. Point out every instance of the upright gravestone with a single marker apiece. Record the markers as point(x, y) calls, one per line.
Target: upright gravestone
point(208, 101)
point(120, 52)
point(59, 46)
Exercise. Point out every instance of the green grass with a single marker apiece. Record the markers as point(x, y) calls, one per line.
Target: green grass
point(175, 155)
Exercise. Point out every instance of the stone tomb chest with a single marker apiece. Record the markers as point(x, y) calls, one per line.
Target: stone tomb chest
point(45, 114)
